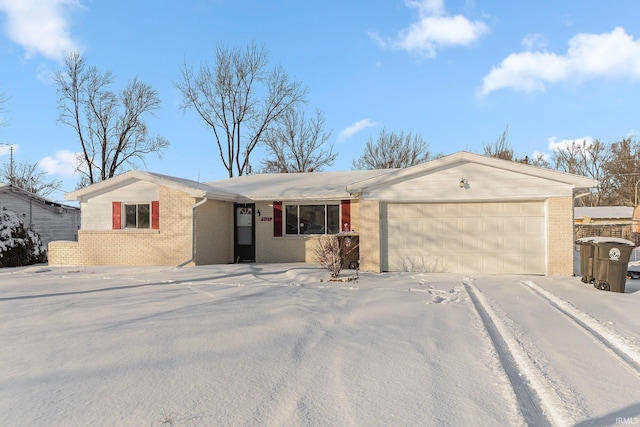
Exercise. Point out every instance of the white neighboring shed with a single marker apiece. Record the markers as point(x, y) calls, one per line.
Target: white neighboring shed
point(474, 214)
point(51, 220)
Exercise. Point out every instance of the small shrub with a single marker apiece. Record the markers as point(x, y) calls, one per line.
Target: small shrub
point(327, 254)
point(18, 246)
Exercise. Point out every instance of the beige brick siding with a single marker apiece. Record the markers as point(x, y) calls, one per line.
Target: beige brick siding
point(62, 252)
point(170, 245)
point(355, 215)
point(270, 249)
point(369, 230)
point(214, 233)
point(560, 236)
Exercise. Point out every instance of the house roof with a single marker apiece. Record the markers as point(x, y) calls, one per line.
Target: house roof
point(297, 186)
point(577, 181)
point(319, 185)
point(20, 192)
point(604, 212)
point(193, 188)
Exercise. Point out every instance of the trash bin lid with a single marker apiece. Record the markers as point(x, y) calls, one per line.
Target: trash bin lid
point(585, 240)
point(617, 240)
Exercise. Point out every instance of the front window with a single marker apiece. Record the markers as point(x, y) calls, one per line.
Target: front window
point(312, 219)
point(137, 216)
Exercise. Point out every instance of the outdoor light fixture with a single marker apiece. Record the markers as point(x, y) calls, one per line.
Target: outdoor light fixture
point(258, 212)
point(463, 182)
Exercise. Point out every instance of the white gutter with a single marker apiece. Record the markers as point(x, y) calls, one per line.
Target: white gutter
point(193, 231)
point(581, 195)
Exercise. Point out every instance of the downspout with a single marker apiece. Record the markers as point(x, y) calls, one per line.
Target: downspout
point(193, 231)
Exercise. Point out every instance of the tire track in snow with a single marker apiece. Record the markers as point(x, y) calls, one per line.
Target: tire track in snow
point(530, 400)
point(612, 342)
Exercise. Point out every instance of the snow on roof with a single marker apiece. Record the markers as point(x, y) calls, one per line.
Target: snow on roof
point(610, 212)
point(431, 166)
point(296, 186)
point(205, 188)
point(194, 188)
point(17, 191)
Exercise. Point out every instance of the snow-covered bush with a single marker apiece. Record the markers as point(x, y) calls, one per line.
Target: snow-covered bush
point(327, 254)
point(18, 246)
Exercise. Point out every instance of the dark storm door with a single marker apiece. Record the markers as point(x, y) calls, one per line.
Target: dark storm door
point(244, 232)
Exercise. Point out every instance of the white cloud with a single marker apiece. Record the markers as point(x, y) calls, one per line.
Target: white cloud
point(534, 41)
point(545, 156)
point(64, 163)
point(44, 74)
point(589, 56)
point(554, 144)
point(434, 29)
point(41, 27)
point(355, 128)
point(5, 149)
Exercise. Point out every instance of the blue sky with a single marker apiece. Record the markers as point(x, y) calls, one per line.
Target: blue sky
point(457, 72)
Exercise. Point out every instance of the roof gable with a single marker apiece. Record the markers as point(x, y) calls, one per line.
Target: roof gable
point(193, 188)
point(466, 177)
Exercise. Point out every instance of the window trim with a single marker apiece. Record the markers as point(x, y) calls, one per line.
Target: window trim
point(325, 204)
point(119, 217)
point(137, 224)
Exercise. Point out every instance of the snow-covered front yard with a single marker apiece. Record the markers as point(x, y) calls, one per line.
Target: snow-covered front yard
point(279, 345)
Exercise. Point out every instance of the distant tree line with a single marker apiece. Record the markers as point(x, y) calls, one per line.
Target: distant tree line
point(615, 165)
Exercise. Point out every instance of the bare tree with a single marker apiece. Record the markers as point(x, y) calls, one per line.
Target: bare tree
point(392, 150)
point(327, 253)
point(239, 99)
point(30, 177)
point(3, 99)
point(111, 127)
point(296, 144)
point(500, 149)
point(587, 159)
point(623, 172)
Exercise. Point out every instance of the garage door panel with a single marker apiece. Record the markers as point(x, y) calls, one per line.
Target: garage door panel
point(409, 242)
point(533, 209)
point(532, 243)
point(493, 244)
point(395, 211)
point(472, 225)
point(450, 210)
point(471, 210)
point(491, 209)
point(467, 237)
point(411, 226)
point(533, 226)
point(492, 225)
point(435, 243)
point(432, 225)
point(471, 244)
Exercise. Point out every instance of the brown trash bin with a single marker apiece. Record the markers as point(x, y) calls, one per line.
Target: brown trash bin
point(349, 250)
point(587, 249)
point(611, 262)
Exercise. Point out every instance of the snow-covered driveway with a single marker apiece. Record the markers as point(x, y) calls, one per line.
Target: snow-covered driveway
point(277, 345)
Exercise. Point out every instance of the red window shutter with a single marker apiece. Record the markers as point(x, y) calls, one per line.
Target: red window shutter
point(116, 215)
point(155, 215)
point(277, 219)
point(345, 223)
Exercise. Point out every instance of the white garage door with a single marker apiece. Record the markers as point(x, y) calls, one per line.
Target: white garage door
point(464, 237)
